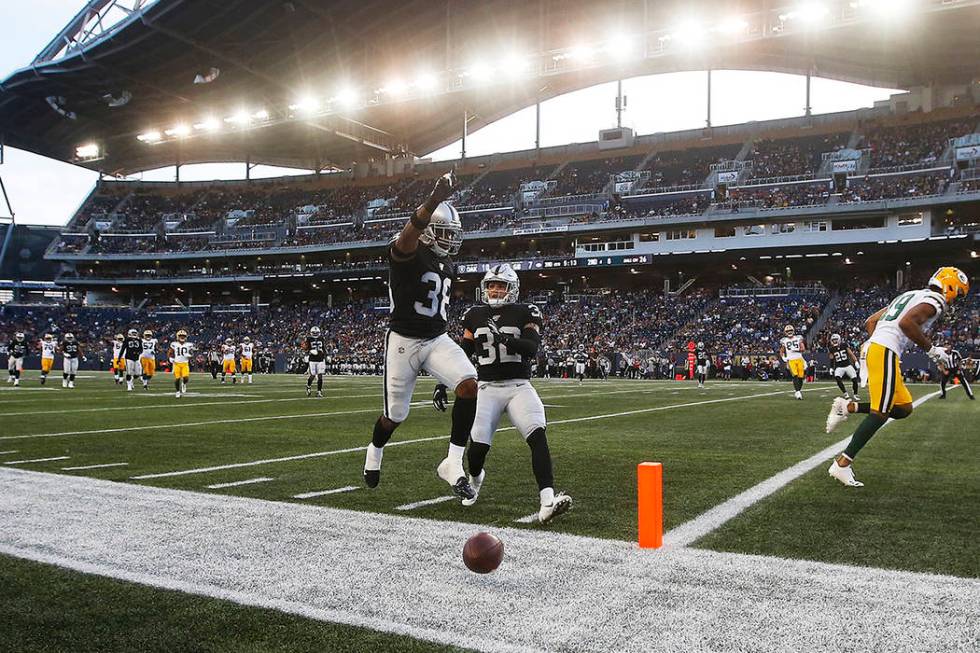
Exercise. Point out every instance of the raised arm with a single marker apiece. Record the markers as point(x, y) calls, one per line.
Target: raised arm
point(408, 240)
point(872, 321)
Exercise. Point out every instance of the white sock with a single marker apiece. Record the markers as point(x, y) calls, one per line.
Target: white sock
point(456, 452)
point(372, 460)
point(547, 496)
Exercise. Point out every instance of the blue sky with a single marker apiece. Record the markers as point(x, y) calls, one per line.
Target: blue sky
point(737, 96)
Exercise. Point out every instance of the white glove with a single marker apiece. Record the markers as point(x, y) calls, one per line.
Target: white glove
point(939, 356)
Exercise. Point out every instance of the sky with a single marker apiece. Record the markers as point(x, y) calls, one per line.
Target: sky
point(659, 103)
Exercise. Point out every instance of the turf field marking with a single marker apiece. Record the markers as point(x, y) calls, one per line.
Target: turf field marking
point(693, 530)
point(233, 548)
point(248, 481)
point(36, 460)
point(237, 420)
point(323, 493)
point(2, 453)
point(102, 466)
point(426, 502)
point(320, 454)
point(269, 461)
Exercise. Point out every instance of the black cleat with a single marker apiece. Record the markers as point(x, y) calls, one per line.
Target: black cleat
point(372, 477)
point(463, 490)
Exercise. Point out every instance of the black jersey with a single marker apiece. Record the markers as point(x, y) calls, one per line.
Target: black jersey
point(495, 362)
point(702, 358)
point(839, 356)
point(420, 289)
point(581, 357)
point(69, 349)
point(132, 348)
point(315, 348)
point(18, 349)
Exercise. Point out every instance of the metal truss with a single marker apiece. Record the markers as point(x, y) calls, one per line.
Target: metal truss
point(97, 20)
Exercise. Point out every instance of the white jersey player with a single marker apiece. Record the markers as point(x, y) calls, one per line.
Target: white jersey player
point(791, 349)
point(247, 349)
point(180, 354)
point(48, 347)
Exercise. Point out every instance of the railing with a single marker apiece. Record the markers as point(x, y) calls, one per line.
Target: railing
point(567, 199)
point(784, 179)
point(922, 166)
point(774, 291)
point(664, 190)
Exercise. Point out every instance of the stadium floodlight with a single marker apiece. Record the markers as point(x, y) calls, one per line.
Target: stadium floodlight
point(209, 124)
point(394, 87)
point(581, 53)
point(241, 117)
point(885, 9)
point(811, 13)
point(305, 105)
point(515, 65)
point(88, 151)
point(261, 114)
point(346, 96)
point(621, 46)
point(480, 72)
point(426, 81)
point(689, 33)
point(733, 26)
point(149, 137)
point(178, 130)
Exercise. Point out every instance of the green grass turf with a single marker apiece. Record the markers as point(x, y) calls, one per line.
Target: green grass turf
point(710, 452)
point(46, 608)
point(917, 510)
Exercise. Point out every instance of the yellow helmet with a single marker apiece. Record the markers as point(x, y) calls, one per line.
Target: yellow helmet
point(951, 282)
point(181, 335)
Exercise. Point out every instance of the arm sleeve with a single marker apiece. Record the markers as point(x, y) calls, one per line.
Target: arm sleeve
point(527, 344)
point(468, 345)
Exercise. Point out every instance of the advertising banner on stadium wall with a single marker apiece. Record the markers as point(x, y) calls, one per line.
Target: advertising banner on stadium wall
point(624, 186)
point(968, 153)
point(728, 177)
point(844, 166)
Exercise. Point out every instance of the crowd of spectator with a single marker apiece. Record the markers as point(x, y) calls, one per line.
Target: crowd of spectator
point(918, 144)
point(895, 186)
point(790, 157)
point(782, 196)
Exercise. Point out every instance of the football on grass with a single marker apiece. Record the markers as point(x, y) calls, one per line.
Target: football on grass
point(483, 552)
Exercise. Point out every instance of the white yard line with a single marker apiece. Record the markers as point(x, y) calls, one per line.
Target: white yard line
point(247, 481)
point(237, 420)
point(36, 460)
point(603, 595)
point(102, 466)
point(426, 502)
point(284, 459)
point(320, 454)
point(693, 530)
point(323, 493)
point(3, 453)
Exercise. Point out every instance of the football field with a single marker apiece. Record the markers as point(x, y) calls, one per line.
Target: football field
point(237, 520)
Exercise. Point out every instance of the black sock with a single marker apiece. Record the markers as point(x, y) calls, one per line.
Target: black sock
point(797, 383)
point(464, 410)
point(942, 383)
point(177, 385)
point(541, 459)
point(64, 376)
point(865, 430)
point(476, 456)
point(840, 384)
point(854, 386)
point(380, 436)
point(319, 383)
point(71, 377)
point(309, 382)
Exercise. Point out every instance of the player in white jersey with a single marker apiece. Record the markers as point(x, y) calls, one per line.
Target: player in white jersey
point(247, 350)
point(148, 358)
point(180, 353)
point(228, 361)
point(907, 319)
point(48, 347)
point(118, 365)
point(791, 349)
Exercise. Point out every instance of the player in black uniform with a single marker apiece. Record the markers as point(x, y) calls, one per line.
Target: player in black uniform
point(581, 358)
point(420, 277)
point(131, 351)
point(702, 360)
point(954, 371)
point(70, 352)
point(15, 358)
point(316, 356)
point(844, 364)
point(504, 336)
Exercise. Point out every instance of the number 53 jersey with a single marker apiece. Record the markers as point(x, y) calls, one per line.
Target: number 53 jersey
point(495, 361)
point(419, 289)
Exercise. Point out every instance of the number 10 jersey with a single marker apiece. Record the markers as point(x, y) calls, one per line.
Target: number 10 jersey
point(419, 289)
point(495, 361)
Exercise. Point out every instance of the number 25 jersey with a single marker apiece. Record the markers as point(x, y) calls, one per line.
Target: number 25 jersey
point(495, 361)
point(419, 289)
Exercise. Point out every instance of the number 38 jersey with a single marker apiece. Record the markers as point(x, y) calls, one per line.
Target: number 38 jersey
point(889, 334)
point(419, 289)
point(495, 362)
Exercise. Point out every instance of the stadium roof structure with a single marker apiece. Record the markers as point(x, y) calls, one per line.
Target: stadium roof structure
point(319, 84)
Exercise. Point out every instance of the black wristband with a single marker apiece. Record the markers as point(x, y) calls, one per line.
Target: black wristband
point(418, 223)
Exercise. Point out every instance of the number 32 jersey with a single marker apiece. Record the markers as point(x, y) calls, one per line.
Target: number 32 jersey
point(495, 362)
point(419, 289)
